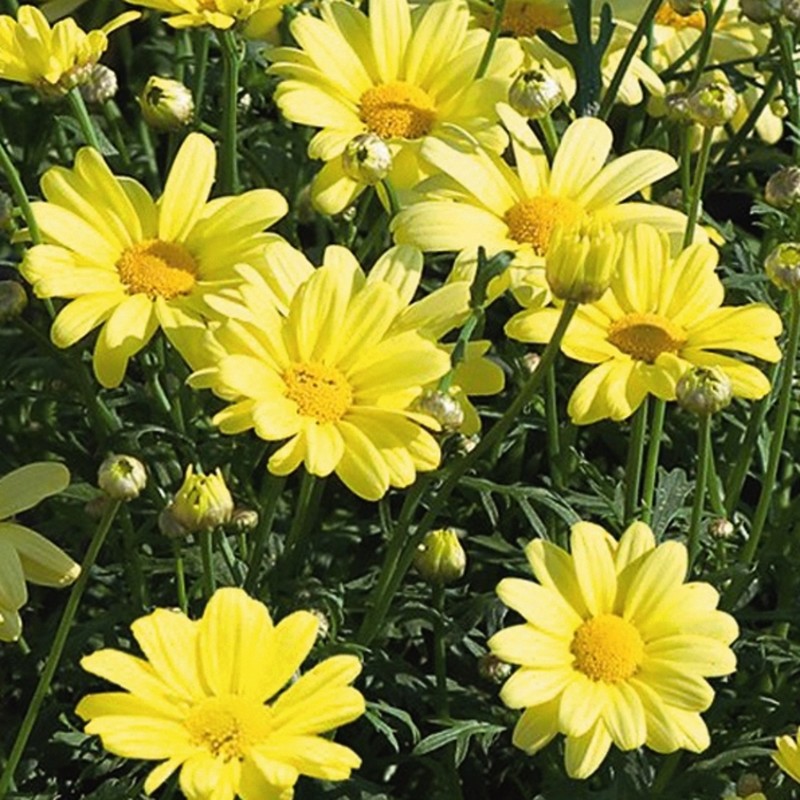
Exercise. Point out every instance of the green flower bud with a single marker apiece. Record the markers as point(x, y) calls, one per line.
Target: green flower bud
point(783, 266)
point(443, 407)
point(581, 260)
point(748, 784)
point(367, 159)
point(704, 390)
point(712, 104)
point(783, 188)
point(244, 520)
point(721, 528)
point(761, 11)
point(122, 477)
point(100, 86)
point(535, 94)
point(440, 558)
point(530, 361)
point(166, 105)
point(791, 10)
point(491, 668)
point(203, 502)
point(13, 300)
point(676, 107)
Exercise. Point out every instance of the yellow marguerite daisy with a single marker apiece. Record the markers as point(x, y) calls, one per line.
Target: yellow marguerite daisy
point(486, 202)
point(335, 366)
point(25, 554)
point(131, 263)
point(52, 60)
point(615, 647)
point(402, 76)
point(660, 316)
point(207, 699)
point(788, 755)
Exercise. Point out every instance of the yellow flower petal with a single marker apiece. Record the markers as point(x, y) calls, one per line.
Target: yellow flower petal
point(27, 486)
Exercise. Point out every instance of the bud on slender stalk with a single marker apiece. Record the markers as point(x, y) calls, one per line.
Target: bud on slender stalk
point(203, 502)
point(100, 86)
point(712, 104)
point(704, 391)
point(244, 519)
point(166, 104)
point(721, 528)
point(122, 477)
point(535, 94)
point(783, 266)
point(367, 159)
point(440, 558)
point(783, 188)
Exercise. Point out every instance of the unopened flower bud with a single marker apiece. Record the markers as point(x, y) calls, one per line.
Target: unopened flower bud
point(712, 104)
point(443, 407)
point(761, 11)
point(324, 624)
point(581, 260)
point(440, 558)
point(704, 391)
point(169, 525)
point(466, 444)
point(203, 502)
point(122, 477)
point(748, 784)
point(530, 362)
point(491, 668)
point(783, 188)
point(676, 107)
point(721, 528)
point(100, 85)
point(686, 7)
point(791, 10)
point(367, 159)
point(244, 519)
point(13, 300)
point(535, 94)
point(783, 266)
point(166, 104)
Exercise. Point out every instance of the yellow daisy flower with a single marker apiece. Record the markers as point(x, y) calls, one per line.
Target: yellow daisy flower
point(788, 755)
point(486, 202)
point(25, 554)
point(257, 19)
point(207, 699)
point(615, 647)
point(660, 316)
point(403, 77)
point(130, 263)
point(52, 60)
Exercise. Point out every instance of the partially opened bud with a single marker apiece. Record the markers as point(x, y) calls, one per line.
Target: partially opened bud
point(712, 104)
point(122, 477)
point(535, 94)
point(166, 104)
point(367, 159)
point(440, 558)
point(783, 266)
point(704, 391)
point(203, 502)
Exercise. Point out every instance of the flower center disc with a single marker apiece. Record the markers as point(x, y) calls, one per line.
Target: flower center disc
point(525, 18)
point(646, 336)
point(397, 111)
point(607, 648)
point(667, 16)
point(157, 269)
point(227, 726)
point(532, 221)
point(320, 392)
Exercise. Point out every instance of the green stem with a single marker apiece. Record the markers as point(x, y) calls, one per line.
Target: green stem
point(440, 652)
point(785, 36)
point(207, 558)
point(82, 117)
point(229, 164)
point(180, 576)
point(304, 515)
point(748, 552)
point(133, 562)
point(20, 195)
point(701, 482)
point(200, 43)
point(651, 466)
point(497, 22)
point(706, 38)
point(633, 467)
point(697, 186)
point(550, 136)
point(553, 434)
point(57, 648)
point(460, 348)
point(150, 163)
point(267, 509)
point(402, 546)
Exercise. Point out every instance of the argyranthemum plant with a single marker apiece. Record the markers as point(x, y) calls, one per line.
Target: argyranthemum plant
point(660, 316)
point(615, 647)
point(207, 700)
point(25, 554)
point(132, 264)
point(403, 77)
point(52, 60)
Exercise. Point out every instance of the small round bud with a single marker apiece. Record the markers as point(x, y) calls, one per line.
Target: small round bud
point(203, 502)
point(324, 624)
point(535, 94)
point(443, 407)
point(244, 519)
point(122, 477)
point(761, 11)
point(169, 525)
point(685, 8)
point(13, 300)
point(676, 108)
point(712, 104)
point(440, 558)
point(491, 668)
point(530, 362)
point(581, 260)
point(748, 784)
point(367, 159)
point(466, 444)
point(166, 105)
point(783, 266)
point(783, 188)
point(791, 10)
point(100, 86)
point(779, 108)
point(721, 528)
point(704, 390)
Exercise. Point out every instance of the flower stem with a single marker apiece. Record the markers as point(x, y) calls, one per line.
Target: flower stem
point(697, 186)
point(267, 508)
point(180, 577)
point(651, 466)
point(229, 165)
point(497, 22)
point(82, 117)
point(701, 482)
point(57, 648)
point(785, 36)
point(550, 136)
point(207, 559)
point(553, 434)
point(305, 513)
point(440, 652)
point(20, 195)
point(633, 467)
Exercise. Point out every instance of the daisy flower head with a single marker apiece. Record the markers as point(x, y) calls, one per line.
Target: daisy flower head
point(335, 365)
point(614, 648)
point(401, 75)
point(787, 756)
point(129, 263)
point(206, 699)
point(660, 316)
point(51, 59)
point(24, 554)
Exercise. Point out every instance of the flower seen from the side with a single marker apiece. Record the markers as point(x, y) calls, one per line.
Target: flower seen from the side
point(787, 756)
point(24, 554)
point(614, 649)
point(129, 263)
point(660, 316)
point(206, 699)
point(203, 502)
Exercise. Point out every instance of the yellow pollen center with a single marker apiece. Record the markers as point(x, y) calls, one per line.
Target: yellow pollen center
point(320, 392)
point(667, 16)
point(228, 726)
point(532, 221)
point(607, 648)
point(646, 336)
point(157, 269)
point(526, 18)
point(397, 110)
